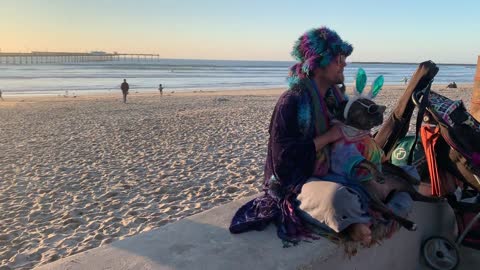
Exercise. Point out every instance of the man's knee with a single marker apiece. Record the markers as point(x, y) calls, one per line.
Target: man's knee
point(331, 204)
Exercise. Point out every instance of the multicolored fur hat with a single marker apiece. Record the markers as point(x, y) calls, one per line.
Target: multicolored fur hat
point(316, 48)
point(360, 82)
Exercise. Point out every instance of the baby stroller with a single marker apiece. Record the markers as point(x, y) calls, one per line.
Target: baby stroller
point(450, 137)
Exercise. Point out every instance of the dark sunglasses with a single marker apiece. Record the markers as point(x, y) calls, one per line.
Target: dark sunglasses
point(371, 109)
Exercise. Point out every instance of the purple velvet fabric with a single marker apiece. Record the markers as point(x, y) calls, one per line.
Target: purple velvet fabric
point(290, 161)
point(291, 154)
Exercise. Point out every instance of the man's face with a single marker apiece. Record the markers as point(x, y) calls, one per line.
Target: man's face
point(333, 72)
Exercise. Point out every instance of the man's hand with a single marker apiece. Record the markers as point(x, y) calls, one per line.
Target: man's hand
point(332, 135)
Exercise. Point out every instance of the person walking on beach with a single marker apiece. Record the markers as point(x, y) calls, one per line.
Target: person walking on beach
point(125, 87)
point(160, 89)
point(298, 156)
point(405, 80)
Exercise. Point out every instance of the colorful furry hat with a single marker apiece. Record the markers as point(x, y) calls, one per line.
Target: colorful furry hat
point(316, 48)
point(360, 83)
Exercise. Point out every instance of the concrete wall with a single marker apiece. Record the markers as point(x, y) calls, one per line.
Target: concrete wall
point(202, 241)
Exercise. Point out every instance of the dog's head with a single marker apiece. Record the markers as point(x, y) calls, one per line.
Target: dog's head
point(363, 114)
point(361, 111)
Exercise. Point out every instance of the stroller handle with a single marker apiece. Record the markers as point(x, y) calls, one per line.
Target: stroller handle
point(415, 99)
point(418, 95)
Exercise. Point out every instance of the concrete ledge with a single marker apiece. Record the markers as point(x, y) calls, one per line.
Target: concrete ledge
point(203, 241)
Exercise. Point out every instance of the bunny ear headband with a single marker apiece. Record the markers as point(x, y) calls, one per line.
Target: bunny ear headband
point(360, 83)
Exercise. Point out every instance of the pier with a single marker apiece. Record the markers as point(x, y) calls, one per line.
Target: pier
point(36, 57)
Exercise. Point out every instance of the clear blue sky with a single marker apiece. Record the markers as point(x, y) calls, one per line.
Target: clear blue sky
point(402, 31)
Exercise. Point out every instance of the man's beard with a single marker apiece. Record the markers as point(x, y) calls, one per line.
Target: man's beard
point(340, 79)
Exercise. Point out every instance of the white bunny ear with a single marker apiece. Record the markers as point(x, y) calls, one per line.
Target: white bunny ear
point(376, 87)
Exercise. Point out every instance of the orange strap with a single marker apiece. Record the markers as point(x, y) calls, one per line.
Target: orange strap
point(442, 182)
point(430, 137)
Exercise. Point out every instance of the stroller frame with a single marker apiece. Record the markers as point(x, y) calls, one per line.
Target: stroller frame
point(445, 254)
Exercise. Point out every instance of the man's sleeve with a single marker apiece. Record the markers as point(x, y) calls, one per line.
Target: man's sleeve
point(293, 156)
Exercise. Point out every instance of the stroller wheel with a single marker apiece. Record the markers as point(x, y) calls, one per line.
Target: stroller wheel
point(440, 253)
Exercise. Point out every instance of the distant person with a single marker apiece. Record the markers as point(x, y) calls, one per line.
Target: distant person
point(125, 88)
point(452, 85)
point(160, 89)
point(405, 80)
point(1, 95)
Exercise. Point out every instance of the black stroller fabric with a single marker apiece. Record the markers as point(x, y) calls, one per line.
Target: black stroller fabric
point(458, 149)
point(461, 133)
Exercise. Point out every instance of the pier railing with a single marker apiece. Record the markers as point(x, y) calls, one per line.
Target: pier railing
point(71, 57)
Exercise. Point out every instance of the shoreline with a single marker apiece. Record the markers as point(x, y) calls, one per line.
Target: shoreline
point(216, 92)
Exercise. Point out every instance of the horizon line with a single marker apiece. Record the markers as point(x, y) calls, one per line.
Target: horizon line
point(167, 58)
point(293, 61)
point(249, 60)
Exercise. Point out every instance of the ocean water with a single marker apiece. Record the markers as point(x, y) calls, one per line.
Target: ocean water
point(188, 75)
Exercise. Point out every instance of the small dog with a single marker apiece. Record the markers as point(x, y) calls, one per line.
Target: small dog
point(359, 158)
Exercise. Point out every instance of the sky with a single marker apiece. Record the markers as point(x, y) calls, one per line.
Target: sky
point(384, 31)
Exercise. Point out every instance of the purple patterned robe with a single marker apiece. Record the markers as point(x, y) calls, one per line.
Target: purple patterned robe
point(290, 162)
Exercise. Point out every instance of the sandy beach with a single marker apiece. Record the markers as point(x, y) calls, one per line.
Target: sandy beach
point(78, 173)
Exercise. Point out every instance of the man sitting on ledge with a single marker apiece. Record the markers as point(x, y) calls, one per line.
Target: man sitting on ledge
point(301, 132)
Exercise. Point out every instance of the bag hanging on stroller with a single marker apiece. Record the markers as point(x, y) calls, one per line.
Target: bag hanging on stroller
point(460, 154)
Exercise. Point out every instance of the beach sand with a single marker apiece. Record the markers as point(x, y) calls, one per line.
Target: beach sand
point(77, 173)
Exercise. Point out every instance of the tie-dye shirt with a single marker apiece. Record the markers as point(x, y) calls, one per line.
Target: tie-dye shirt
point(356, 146)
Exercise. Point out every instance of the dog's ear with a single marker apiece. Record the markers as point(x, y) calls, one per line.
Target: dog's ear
point(339, 113)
